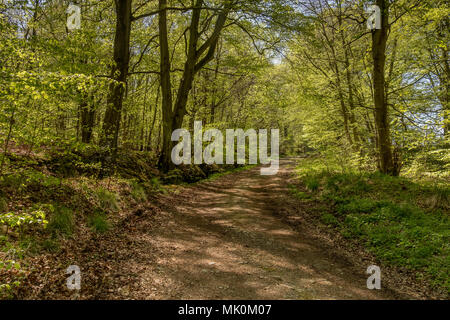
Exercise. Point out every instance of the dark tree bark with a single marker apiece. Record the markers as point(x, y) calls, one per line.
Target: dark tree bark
point(87, 121)
point(119, 73)
point(166, 85)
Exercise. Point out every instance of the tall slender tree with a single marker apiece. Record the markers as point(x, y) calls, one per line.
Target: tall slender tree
point(379, 42)
point(119, 73)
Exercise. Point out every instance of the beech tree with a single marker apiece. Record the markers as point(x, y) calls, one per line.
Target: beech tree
point(138, 70)
point(198, 55)
point(379, 41)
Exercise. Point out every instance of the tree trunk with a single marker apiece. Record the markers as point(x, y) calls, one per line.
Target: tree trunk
point(173, 117)
point(214, 91)
point(379, 41)
point(349, 78)
point(351, 100)
point(119, 73)
point(445, 96)
point(87, 121)
point(166, 87)
point(152, 127)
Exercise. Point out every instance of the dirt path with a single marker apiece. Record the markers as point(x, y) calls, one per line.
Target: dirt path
point(224, 239)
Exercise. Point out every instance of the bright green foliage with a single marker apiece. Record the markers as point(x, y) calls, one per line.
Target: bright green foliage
point(299, 194)
point(303, 67)
point(312, 183)
point(401, 221)
point(6, 288)
point(22, 220)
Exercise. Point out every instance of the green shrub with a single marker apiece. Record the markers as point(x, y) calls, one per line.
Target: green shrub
point(138, 192)
point(358, 205)
point(99, 222)
point(332, 183)
point(298, 194)
point(329, 219)
point(22, 220)
point(401, 221)
point(7, 286)
point(155, 183)
point(108, 200)
point(14, 181)
point(440, 198)
point(404, 235)
point(61, 221)
point(312, 183)
point(20, 180)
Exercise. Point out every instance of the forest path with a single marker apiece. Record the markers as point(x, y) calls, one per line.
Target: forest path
point(224, 239)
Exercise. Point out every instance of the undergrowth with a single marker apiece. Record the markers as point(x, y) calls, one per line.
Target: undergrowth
point(402, 221)
point(68, 196)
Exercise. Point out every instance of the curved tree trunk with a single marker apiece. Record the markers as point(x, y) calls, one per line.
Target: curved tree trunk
point(198, 55)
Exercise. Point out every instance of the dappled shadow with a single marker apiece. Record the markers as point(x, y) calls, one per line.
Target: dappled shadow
point(225, 242)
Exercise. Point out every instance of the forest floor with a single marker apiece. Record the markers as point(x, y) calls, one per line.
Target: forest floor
point(240, 236)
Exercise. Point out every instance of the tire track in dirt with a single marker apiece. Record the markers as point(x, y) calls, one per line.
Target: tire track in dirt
point(225, 239)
